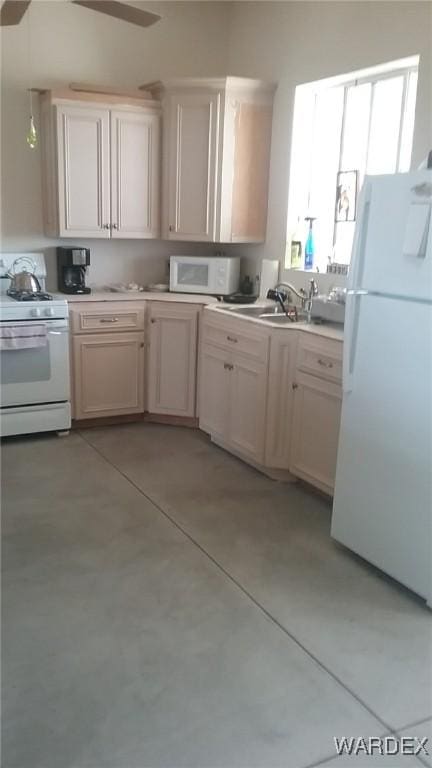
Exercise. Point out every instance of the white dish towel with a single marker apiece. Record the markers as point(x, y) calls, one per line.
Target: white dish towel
point(23, 335)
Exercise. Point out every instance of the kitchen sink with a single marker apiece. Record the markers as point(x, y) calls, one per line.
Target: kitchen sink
point(281, 319)
point(271, 309)
point(272, 312)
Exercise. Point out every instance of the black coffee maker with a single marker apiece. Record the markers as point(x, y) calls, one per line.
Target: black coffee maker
point(71, 269)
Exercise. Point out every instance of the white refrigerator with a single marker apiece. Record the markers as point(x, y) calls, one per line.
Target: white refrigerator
point(383, 493)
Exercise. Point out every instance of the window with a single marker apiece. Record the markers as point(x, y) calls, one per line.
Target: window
point(362, 123)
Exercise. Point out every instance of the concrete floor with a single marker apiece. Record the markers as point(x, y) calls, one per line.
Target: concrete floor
point(164, 605)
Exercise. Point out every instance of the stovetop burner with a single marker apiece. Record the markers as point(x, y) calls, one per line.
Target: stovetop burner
point(30, 296)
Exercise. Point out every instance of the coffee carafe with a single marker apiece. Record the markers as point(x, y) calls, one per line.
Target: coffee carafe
point(72, 264)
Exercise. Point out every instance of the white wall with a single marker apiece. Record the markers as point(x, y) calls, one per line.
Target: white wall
point(298, 42)
point(69, 43)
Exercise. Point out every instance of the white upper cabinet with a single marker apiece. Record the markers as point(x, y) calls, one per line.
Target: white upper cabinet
point(135, 173)
point(83, 171)
point(217, 136)
point(101, 166)
point(192, 146)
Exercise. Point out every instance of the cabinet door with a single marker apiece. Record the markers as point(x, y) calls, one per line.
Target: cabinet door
point(135, 173)
point(192, 172)
point(315, 432)
point(251, 165)
point(280, 398)
point(215, 384)
point(108, 374)
point(246, 433)
point(83, 171)
point(172, 359)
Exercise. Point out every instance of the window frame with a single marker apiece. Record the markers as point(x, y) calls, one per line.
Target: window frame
point(405, 68)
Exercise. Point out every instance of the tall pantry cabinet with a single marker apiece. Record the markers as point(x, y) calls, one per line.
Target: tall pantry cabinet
point(216, 158)
point(101, 167)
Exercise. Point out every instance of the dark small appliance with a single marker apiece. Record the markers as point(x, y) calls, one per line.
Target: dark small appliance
point(71, 269)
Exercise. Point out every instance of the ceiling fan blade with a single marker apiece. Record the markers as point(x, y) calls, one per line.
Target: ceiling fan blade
point(12, 12)
point(121, 11)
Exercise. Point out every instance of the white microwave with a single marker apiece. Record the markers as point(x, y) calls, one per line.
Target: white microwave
point(205, 274)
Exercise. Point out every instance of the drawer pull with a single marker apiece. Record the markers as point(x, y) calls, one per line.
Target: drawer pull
point(233, 339)
point(324, 364)
point(109, 320)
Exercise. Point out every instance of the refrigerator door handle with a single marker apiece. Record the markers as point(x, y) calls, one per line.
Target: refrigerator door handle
point(352, 315)
point(354, 292)
point(355, 273)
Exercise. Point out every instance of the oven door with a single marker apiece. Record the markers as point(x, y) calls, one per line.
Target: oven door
point(39, 374)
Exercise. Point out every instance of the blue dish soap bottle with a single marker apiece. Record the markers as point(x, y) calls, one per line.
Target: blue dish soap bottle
point(310, 244)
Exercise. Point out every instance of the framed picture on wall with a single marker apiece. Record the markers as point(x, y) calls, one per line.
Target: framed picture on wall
point(346, 196)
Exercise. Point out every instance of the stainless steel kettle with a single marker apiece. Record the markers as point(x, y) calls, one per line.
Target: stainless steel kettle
point(25, 280)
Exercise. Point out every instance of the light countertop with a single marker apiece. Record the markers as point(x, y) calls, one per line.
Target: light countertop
point(328, 330)
point(95, 295)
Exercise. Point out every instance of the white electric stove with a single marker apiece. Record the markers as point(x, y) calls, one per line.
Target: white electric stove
point(34, 355)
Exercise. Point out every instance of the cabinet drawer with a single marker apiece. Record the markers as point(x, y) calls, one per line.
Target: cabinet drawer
point(320, 357)
point(107, 317)
point(238, 337)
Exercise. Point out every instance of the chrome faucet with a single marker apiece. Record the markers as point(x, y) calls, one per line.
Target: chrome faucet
point(313, 289)
point(305, 298)
point(301, 294)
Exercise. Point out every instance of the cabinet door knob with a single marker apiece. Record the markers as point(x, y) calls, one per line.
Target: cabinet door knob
point(228, 366)
point(171, 228)
point(153, 320)
point(107, 226)
point(233, 339)
point(114, 226)
point(294, 385)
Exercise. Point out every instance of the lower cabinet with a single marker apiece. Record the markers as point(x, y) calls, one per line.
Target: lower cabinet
point(272, 396)
point(112, 374)
point(248, 391)
point(108, 374)
point(172, 359)
point(215, 386)
point(315, 430)
point(283, 349)
point(233, 401)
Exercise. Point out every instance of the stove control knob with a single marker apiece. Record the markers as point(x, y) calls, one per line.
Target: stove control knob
point(49, 312)
point(35, 312)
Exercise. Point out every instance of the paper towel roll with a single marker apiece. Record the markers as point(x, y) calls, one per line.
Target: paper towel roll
point(269, 276)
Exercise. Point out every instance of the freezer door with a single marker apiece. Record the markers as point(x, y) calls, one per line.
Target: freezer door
point(392, 251)
point(383, 497)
